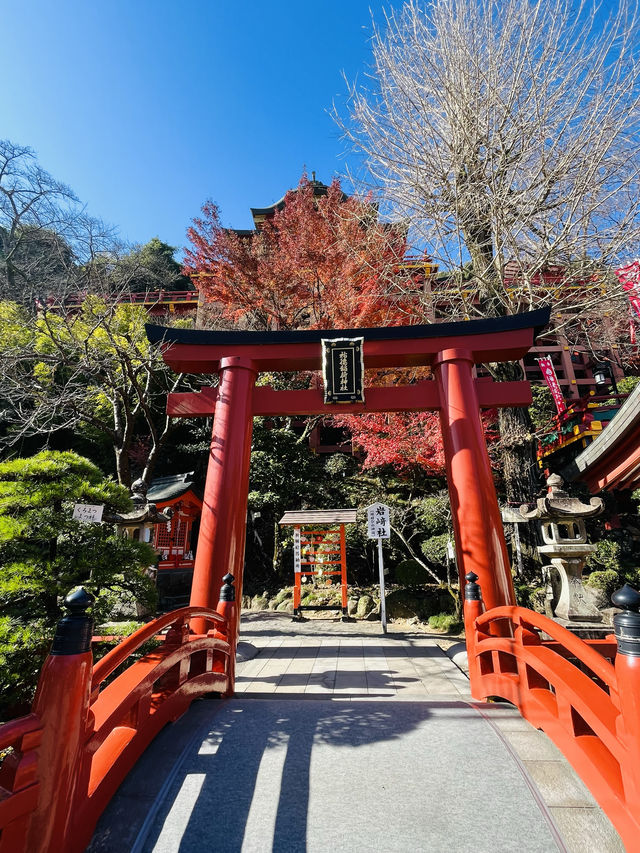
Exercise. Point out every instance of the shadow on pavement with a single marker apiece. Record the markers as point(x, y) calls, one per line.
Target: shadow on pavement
point(225, 771)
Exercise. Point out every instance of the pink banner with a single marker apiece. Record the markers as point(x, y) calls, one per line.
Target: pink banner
point(629, 278)
point(549, 373)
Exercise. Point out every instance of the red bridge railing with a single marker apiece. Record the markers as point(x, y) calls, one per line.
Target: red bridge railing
point(90, 724)
point(584, 694)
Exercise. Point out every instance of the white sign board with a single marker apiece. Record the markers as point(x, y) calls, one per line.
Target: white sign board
point(297, 559)
point(378, 522)
point(91, 513)
point(379, 527)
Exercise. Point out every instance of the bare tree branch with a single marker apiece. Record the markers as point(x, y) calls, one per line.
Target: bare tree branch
point(507, 134)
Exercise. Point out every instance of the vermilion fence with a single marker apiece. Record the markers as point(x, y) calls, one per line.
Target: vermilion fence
point(148, 297)
point(584, 694)
point(90, 724)
point(19, 785)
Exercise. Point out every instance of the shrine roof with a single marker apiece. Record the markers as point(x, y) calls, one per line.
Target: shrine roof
point(319, 189)
point(242, 232)
point(319, 516)
point(612, 460)
point(170, 487)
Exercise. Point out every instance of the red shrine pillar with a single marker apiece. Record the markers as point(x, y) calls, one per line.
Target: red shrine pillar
point(224, 509)
point(480, 545)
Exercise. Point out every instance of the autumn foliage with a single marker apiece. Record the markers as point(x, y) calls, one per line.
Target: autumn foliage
point(322, 261)
point(399, 439)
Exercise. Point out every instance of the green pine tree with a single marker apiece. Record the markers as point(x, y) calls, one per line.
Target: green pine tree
point(44, 553)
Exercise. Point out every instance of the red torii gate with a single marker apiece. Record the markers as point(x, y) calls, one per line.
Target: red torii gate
point(450, 349)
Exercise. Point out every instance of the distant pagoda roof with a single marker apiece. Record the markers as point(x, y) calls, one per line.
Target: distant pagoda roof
point(319, 516)
point(319, 189)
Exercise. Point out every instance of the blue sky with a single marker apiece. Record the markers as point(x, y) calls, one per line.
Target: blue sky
point(146, 109)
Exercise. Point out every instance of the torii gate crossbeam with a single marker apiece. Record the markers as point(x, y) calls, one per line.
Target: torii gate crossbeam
point(451, 349)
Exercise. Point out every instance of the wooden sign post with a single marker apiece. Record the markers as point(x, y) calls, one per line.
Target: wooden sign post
point(379, 527)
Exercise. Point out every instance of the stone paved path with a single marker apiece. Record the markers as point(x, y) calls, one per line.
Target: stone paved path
point(342, 739)
point(351, 668)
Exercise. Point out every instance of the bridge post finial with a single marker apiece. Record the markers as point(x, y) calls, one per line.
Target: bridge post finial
point(627, 624)
point(473, 609)
point(62, 704)
point(74, 630)
point(227, 608)
point(472, 591)
point(228, 590)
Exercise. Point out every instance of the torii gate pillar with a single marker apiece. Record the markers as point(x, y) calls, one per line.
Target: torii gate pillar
point(480, 545)
point(224, 510)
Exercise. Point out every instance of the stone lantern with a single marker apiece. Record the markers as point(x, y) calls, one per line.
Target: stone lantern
point(140, 522)
point(565, 546)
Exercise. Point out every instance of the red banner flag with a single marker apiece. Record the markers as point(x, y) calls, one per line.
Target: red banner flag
point(549, 373)
point(629, 278)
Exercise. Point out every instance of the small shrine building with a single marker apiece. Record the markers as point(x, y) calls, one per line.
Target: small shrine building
point(319, 552)
point(176, 540)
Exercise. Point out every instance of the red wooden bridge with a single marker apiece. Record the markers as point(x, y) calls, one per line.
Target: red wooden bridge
point(90, 723)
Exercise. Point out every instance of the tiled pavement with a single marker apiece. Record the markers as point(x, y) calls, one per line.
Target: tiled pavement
point(350, 668)
point(530, 798)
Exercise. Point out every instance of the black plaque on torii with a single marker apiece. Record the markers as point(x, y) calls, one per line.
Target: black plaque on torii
point(343, 370)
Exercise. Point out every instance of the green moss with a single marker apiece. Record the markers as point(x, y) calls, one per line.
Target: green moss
point(446, 622)
point(284, 595)
point(421, 601)
point(533, 598)
point(607, 580)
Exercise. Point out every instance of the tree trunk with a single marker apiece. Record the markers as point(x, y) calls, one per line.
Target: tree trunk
point(519, 466)
point(522, 478)
point(123, 467)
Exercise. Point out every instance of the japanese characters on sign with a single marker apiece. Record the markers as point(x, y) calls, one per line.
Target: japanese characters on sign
point(89, 513)
point(343, 370)
point(297, 558)
point(549, 374)
point(378, 522)
point(629, 278)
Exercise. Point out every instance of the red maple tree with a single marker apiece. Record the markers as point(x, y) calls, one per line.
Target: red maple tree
point(322, 261)
point(399, 439)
